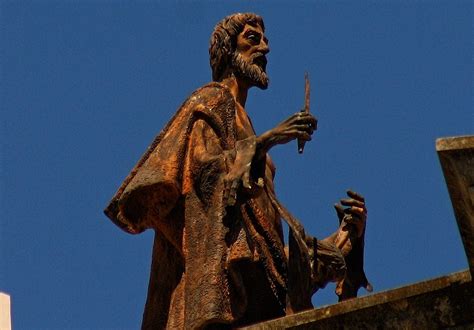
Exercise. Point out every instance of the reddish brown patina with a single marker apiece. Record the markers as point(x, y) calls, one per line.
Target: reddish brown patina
point(205, 186)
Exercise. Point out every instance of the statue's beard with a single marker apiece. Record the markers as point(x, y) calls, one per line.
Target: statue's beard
point(248, 69)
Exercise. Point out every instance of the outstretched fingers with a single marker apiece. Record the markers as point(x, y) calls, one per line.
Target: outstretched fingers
point(353, 211)
point(357, 212)
point(355, 195)
point(355, 200)
point(354, 204)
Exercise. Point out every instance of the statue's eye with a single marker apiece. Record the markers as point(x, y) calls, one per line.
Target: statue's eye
point(253, 37)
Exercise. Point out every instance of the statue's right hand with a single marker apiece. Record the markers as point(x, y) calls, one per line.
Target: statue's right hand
point(301, 126)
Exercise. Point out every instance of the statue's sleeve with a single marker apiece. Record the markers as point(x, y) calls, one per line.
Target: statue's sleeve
point(355, 277)
point(153, 187)
point(331, 264)
point(205, 160)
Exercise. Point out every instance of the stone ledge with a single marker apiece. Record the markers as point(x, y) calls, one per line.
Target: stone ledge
point(455, 143)
point(443, 302)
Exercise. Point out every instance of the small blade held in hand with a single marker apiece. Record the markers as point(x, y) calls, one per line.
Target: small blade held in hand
point(301, 143)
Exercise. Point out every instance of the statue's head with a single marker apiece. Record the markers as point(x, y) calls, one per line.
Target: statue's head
point(238, 47)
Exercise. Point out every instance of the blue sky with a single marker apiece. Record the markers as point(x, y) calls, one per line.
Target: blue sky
point(86, 85)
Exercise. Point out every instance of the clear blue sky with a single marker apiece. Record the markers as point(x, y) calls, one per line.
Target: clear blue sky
point(86, 85)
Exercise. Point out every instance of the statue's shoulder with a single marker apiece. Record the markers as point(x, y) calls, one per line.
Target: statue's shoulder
point(213, 88)
point(211, 95)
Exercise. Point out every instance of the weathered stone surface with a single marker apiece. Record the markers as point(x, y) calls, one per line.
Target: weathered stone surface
point(5, 318)
point(444, 302)
point(456, 155)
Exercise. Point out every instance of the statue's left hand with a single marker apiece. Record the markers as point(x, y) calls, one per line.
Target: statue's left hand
point(350, 241)
point(355, 212)
point(239, 172)
point(233, 181)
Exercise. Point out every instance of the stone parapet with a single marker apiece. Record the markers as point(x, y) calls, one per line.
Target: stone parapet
point(444, 302)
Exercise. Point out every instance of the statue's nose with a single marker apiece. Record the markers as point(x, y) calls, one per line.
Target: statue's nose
point(264, 48)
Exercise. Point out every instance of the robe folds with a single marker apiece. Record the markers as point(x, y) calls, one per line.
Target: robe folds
point(202, 247)
point(213, 263)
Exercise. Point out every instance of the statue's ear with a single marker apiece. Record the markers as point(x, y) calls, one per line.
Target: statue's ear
point(219, 51)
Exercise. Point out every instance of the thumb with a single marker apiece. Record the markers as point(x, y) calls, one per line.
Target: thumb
point(339, 210)
point(246, 180)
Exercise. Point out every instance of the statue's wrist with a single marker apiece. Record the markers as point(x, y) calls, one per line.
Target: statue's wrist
point(263, 145)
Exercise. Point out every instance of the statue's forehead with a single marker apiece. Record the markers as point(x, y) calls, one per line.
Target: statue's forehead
point(252, 27)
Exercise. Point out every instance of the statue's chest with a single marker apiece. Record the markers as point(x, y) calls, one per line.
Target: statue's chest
point(243, 124)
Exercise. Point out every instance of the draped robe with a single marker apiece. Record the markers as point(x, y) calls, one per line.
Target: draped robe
point(213, 263)
point(201, 246)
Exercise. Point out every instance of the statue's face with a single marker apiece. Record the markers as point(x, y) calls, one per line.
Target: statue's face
point(249, 61)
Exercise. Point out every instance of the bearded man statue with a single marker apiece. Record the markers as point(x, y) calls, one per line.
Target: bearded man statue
point(205, 186)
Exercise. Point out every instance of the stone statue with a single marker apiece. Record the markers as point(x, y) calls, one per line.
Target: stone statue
point(205, 186)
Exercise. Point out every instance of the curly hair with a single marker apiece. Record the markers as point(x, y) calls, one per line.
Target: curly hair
point(224, 38)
